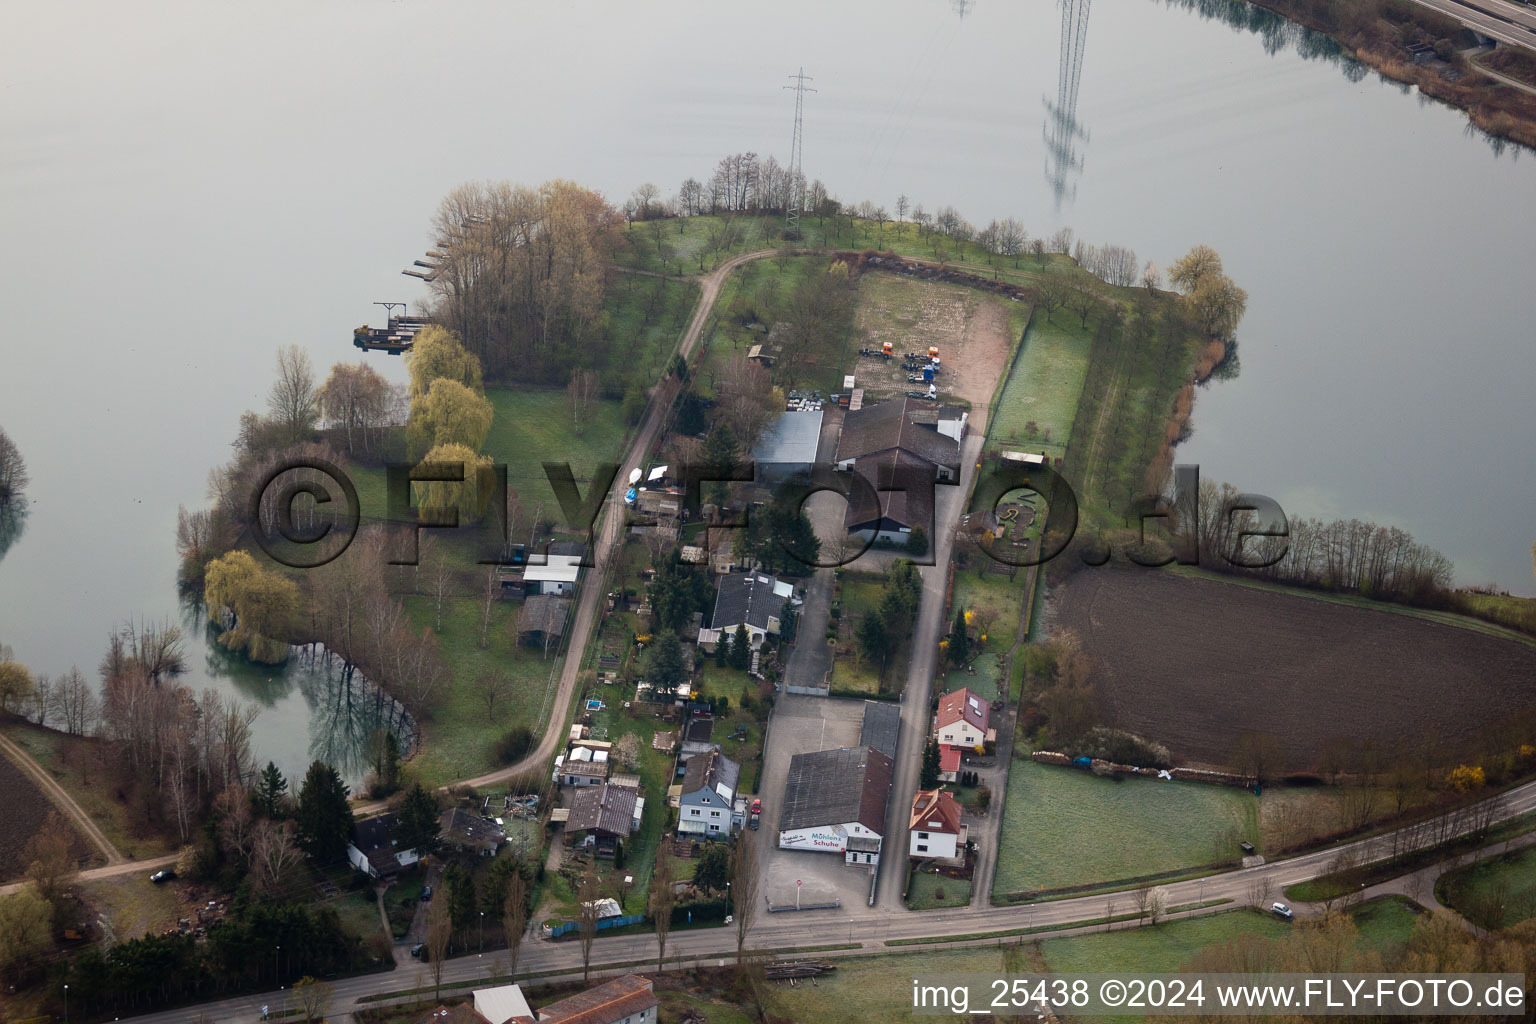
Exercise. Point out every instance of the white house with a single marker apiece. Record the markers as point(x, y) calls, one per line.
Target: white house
point(753, 599)
point(502, 1004)
point(581, 766)
point(962, 720)
point(557, 575)
point(372, 851)
point(935, 828)
point(708, 796)
point(834, 802)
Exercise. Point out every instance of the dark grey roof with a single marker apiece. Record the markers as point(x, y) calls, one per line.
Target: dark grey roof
point(603, 808)
point(882, 726)
point(901, 490)
point(746, 597)
point(709, 770)
point(833, 787)
point(875, 429)
point(698, 730)
point(567, 547)
point(370, 834)
point(465, 829)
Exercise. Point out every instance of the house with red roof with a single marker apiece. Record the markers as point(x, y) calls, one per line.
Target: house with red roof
point(935, 830)
point(963, 721)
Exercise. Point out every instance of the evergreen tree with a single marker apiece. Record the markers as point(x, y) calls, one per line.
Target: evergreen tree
point(324, 816)
point(270, 788)
point(618, 854)
point(666, 662)
point(959, 640)
point(714, 868)
point(720, 450)
point(741, 648)
point(416, 824)
point(930, 769)
point(872, 638)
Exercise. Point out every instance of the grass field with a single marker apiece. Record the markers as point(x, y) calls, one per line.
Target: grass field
point(1043, 388)
point(1494, 893)
point(1386, 923)
point(134, 905)
point(1063, 827)
point(695, 245)
point(458, 737)
point(925, 890)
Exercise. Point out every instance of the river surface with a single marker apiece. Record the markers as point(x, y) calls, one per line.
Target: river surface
point(183, 188)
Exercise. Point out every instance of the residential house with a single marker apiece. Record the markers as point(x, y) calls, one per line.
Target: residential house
point(708, 796)
point(372, 849)
point(935, 828)
point(464, 832)
point(962, 721)
point(602, 815)
point(464, 1013)
point(626, 1000)
point(504, 1004)
point(557, 574)
point(835, 802)
point(901, 458)
point(581, 766)
point(754, 599)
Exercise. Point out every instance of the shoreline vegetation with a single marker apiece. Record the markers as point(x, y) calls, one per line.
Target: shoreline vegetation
point(1377, 34)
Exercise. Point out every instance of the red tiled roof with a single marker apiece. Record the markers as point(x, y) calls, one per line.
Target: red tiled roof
point(963, 704)
point(464, 1013)
point(604, 1004)
point(934, 810)
point(949, 758)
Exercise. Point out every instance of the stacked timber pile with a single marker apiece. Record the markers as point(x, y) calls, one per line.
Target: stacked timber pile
point(798, 969)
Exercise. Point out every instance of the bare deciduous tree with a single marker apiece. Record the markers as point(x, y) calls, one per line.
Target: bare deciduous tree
point(745, 883)
point(580, 393)
point(586, 920)
point(662, 899)
point(13, 470)
point(439, 932)
point(514, 918)
point(294, 400)
point(492, 686)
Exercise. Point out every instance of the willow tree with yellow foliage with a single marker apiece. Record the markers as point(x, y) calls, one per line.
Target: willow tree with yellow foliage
point(1217, 303)
point(437, 500)
point(254, 606)
point(449, 414)
point(522, 283)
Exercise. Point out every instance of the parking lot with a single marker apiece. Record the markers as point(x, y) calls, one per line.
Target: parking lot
point(802, 724)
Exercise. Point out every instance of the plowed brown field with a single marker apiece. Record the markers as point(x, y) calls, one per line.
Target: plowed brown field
point(1193, 663)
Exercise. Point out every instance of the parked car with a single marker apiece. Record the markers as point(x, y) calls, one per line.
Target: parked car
point(163, 875)
point(417, 949)
point(1281, 910)
point(756, 818)
point(426, 894)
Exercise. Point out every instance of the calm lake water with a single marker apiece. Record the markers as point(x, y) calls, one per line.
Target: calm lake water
point(184, 188)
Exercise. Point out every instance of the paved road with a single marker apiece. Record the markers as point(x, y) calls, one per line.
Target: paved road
point(61, 799)
point(918, 695)
point(869, 933)
point(1506, 22)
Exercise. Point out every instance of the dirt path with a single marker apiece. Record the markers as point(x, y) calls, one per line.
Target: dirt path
point(62, 800)
point(1111, 395)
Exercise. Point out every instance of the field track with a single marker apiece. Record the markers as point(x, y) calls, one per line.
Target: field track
point(40, 778)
